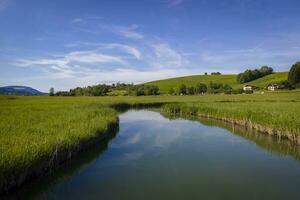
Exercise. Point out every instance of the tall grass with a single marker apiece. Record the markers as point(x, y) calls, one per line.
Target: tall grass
point(32, 133)
point(279, 112)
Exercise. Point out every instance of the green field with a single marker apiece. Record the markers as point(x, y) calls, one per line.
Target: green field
point(34, 129)
point(166, 84)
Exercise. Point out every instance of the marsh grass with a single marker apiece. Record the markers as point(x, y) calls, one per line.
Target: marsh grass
point(275, 111)
point(32, 133)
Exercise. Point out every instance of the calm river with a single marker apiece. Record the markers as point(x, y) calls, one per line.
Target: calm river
point(153, 157)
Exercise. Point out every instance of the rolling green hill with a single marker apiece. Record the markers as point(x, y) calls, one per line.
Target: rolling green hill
point(272, 78)
point(166, 84)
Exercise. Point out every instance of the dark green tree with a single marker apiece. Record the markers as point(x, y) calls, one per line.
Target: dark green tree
point(250, 75)
point(294, 74)
point(191, 90)
point(227, 89)
point(182, 89)
point(265, 70)
point(51, 92)
point(201, 88)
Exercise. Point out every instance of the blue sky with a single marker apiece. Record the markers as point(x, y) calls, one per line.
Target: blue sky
point(69, 43)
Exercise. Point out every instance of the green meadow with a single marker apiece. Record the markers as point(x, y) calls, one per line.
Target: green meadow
point(166, 84)
point(34, 129)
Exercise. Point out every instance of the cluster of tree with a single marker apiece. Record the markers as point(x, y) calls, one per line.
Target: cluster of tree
point(201, 88)
point(293, 78)
point(250, 75)
point(294, 75)
point(143, 90)
point(286, 85)
point(214, 88)
point(104, 90)
point(96, 90)
point(216, 73)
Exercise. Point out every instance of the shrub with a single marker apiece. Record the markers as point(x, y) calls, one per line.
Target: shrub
point(191, 90)
point(182, 89)
point(237, 91)
point(201, 88)
point(227, 89)
point(171, 91)
point(286, 85)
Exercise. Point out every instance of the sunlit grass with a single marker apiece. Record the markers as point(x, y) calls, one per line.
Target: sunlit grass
point(166, 84)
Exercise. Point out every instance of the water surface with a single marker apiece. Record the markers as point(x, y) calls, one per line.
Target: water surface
point(153, 157)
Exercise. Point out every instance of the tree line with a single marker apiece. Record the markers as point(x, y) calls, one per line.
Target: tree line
point(113, 90)
point(202, 88)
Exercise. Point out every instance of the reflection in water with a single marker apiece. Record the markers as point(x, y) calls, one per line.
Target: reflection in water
point(267, 142)
point(154, 157)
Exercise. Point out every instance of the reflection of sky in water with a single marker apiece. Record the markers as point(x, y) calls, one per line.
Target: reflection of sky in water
point(156, 158)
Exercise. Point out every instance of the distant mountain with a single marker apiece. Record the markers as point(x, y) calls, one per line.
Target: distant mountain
point(21, 90)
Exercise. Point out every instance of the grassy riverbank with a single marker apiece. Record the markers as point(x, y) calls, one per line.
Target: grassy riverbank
point(34, 130)
point(274, 113)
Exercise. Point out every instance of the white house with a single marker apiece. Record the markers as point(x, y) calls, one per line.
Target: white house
point(249, 87)
point(273, 87)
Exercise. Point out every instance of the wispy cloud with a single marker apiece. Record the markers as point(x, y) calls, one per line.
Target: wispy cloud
point(125, 31)
point(72, 63)
point(128, 49)
point(166, 56)
point(78, 21)
point(93, 57)
point(131, 50)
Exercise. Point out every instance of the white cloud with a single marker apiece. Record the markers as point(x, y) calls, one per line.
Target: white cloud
point(129, 33)
point(166, 56)
point(125, 31)
point(128, 49)
point(78, 20)
point(62, 62)
point(72, 64)
point(93, 57)
point(131, 50)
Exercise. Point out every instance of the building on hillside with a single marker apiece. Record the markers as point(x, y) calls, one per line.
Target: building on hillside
point(273, 87)
point(249, 87)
